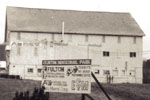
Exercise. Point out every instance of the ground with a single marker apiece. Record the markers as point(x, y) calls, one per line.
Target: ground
point(8, 87)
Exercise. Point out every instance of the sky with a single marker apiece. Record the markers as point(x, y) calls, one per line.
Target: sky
point(139, 9)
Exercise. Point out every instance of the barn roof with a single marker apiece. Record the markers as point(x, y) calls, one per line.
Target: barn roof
point(85, 22)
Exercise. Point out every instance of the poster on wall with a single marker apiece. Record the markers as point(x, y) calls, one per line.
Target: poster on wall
point(67, 76)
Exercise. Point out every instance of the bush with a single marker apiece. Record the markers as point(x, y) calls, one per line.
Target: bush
point(38, 94)
point(10, 76)
point(4, 75)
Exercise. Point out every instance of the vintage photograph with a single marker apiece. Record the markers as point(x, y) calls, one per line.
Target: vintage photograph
point(74, 50)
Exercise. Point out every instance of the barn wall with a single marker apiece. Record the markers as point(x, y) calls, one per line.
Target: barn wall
point(35, 47)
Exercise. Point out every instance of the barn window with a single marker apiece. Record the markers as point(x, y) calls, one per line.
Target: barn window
point(106, 72)
point(105, 53)
point(30, 70)
point(20, 44)
point(97, 71)
point(39, 70)
point(132, 54)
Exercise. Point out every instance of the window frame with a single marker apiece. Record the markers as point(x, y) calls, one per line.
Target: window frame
point(30, 70)
point(106, 53)
point(40, 70)
point(96, 71)
point(106, 72)
point(133, 54)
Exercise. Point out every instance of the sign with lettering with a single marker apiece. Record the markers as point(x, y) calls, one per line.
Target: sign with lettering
point(67, 62)
point(67, 76)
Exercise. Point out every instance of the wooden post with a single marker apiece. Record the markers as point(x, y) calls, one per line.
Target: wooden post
point(89, 97)
point(100, 86)
point(47, 95)
point(83, 97)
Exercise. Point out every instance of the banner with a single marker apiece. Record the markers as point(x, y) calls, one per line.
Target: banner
point(67, 78)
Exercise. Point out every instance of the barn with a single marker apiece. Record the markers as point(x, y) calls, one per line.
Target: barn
point(112, 40)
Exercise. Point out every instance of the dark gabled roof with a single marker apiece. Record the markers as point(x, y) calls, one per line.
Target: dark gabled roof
point(2, 52)
point(85, 22)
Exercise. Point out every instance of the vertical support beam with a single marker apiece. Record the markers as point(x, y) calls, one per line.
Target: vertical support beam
point(89, 97)
point(83, 97)
point(47, 95)
point(100, 86)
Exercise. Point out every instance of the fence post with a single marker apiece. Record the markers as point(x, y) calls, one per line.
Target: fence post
point(100, 86)
point(83, 97)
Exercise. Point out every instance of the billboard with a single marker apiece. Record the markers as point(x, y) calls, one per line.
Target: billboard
point(67, 76)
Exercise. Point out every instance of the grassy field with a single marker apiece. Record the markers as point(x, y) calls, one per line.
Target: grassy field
point(8, 87)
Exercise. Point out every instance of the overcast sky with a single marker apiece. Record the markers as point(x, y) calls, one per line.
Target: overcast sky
point(139, 9)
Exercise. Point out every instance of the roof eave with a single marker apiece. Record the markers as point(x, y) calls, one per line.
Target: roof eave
point(106, 34)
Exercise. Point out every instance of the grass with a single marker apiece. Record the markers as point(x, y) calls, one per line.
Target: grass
point(8, 87)
point(129, 91)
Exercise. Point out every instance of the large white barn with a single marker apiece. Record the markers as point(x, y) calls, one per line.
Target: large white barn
point(112, 40)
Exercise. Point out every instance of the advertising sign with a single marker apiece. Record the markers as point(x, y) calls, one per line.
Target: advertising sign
point(67, 76)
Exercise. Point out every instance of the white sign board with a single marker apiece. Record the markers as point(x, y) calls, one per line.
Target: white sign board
point(2, 64)
point(67, 76)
